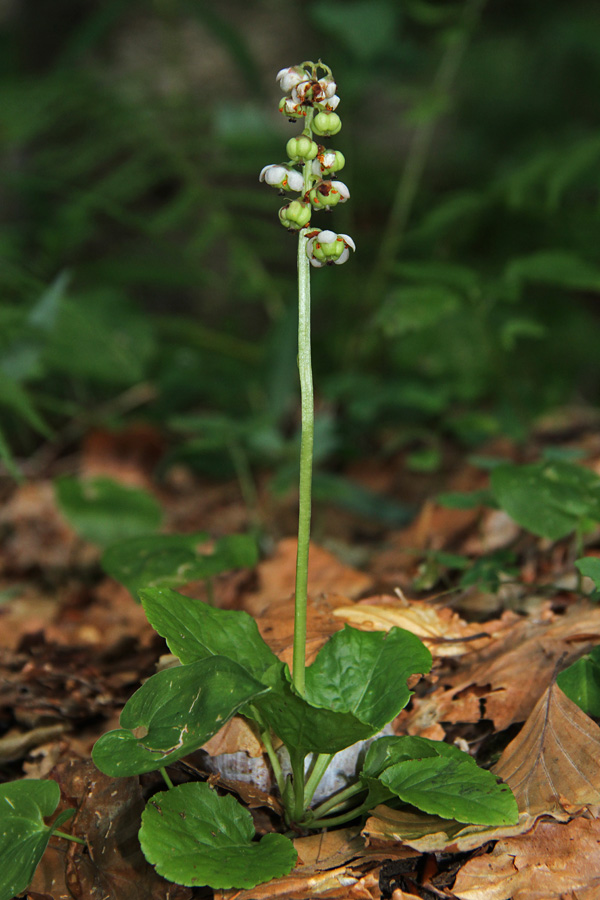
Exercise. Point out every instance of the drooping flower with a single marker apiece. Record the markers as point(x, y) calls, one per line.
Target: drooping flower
point(327, 194)
point(282, 177)
point(326, 248)
point(290, 77)
point(328, 161)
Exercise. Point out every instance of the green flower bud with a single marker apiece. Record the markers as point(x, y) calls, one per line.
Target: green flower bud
point(301, 148)
point(326, 124)
point(295, 215)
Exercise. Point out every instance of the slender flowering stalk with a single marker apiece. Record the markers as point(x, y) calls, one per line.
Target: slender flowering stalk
point(310, 98)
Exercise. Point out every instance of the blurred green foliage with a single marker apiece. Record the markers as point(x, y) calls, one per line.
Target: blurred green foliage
point(139, 249)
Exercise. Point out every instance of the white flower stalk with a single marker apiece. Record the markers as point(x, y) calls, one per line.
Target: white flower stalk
point(326, 248)
point(282, 177)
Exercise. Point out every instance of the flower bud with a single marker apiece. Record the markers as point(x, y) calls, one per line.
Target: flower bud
point(282, 177)
point(326, 123)
point(290, 77)
point(295, 215)
point(301, 148)
point(328, 193)
point(328, 161)
point(326, 248)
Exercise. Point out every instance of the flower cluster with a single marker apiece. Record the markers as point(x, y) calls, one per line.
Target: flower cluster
point(311, 96)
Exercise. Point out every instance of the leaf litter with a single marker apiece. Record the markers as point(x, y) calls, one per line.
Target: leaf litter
point(75, 645)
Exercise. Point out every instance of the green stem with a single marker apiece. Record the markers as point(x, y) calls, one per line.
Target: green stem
point(69, 837)
point(306, 461)
point(165, 775)
point(319, 768)
point(274, 760)
point(297, 761)
point(339, 820)
point(338, 799)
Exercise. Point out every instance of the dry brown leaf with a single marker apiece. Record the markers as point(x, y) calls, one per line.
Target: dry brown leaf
point(552, 764)
point(277, 575)
point(337, 884)
point(440, 628)
point(432, 834)
point(276, 624)
point(555, 861)
point(505, 680)
point(234, 736)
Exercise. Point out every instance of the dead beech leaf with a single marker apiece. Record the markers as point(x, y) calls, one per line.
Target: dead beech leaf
point(235, 735)
point(277, 576)
point(504, 680)
point(555, 861)
point(432, 834)
point(441, 629)
point(337, 884)
point(552, 764)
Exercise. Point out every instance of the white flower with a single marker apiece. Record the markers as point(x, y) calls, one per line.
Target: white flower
point(331, 103)
point(290, 77)
point(282, 177)
point(322, 92)
point(342, 189)
point(326, 248)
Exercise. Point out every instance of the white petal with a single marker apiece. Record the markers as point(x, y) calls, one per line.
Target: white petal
point(261, 177)
point(343, 191)
point(327, 237)
point(342, 257)
point(332, 103)
point(329, 158)
point(348, 241)
point(316, 262)
point(295, 180)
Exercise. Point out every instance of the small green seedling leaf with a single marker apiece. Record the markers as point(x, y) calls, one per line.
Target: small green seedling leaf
point(466, 499)
point(452, 788)
point(550, 498)
point(170, 560)
point(103, 511)
point(581, 682)
point(365, 673)
point(24, 835)
point(194, 837)
point(173, 713)
point(590, 567)
point(194, 631)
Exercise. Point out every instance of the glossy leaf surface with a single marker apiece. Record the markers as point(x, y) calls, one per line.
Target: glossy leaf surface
point(365, 673)
point(174, 713)
point(193, 630)
point(194, 837)
point(452, 788)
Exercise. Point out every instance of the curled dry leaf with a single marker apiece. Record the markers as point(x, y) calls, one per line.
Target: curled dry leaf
point(342, 883)
point(444, 632)
point(552, 862)
point(504, 681)
point(552, 764)
point(432, 834)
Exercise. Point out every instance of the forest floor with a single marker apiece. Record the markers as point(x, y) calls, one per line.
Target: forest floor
point(74, 645)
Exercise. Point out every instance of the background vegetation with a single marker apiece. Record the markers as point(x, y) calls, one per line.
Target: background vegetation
point(145, 274)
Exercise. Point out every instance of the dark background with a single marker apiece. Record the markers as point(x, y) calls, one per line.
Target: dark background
point(145, 274)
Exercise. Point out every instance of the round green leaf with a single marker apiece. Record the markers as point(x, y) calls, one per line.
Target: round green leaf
point(581, 683)
point(24, 835)
point(365, 673)
point(194, 837)
point(174, 713)
point(453, 789)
